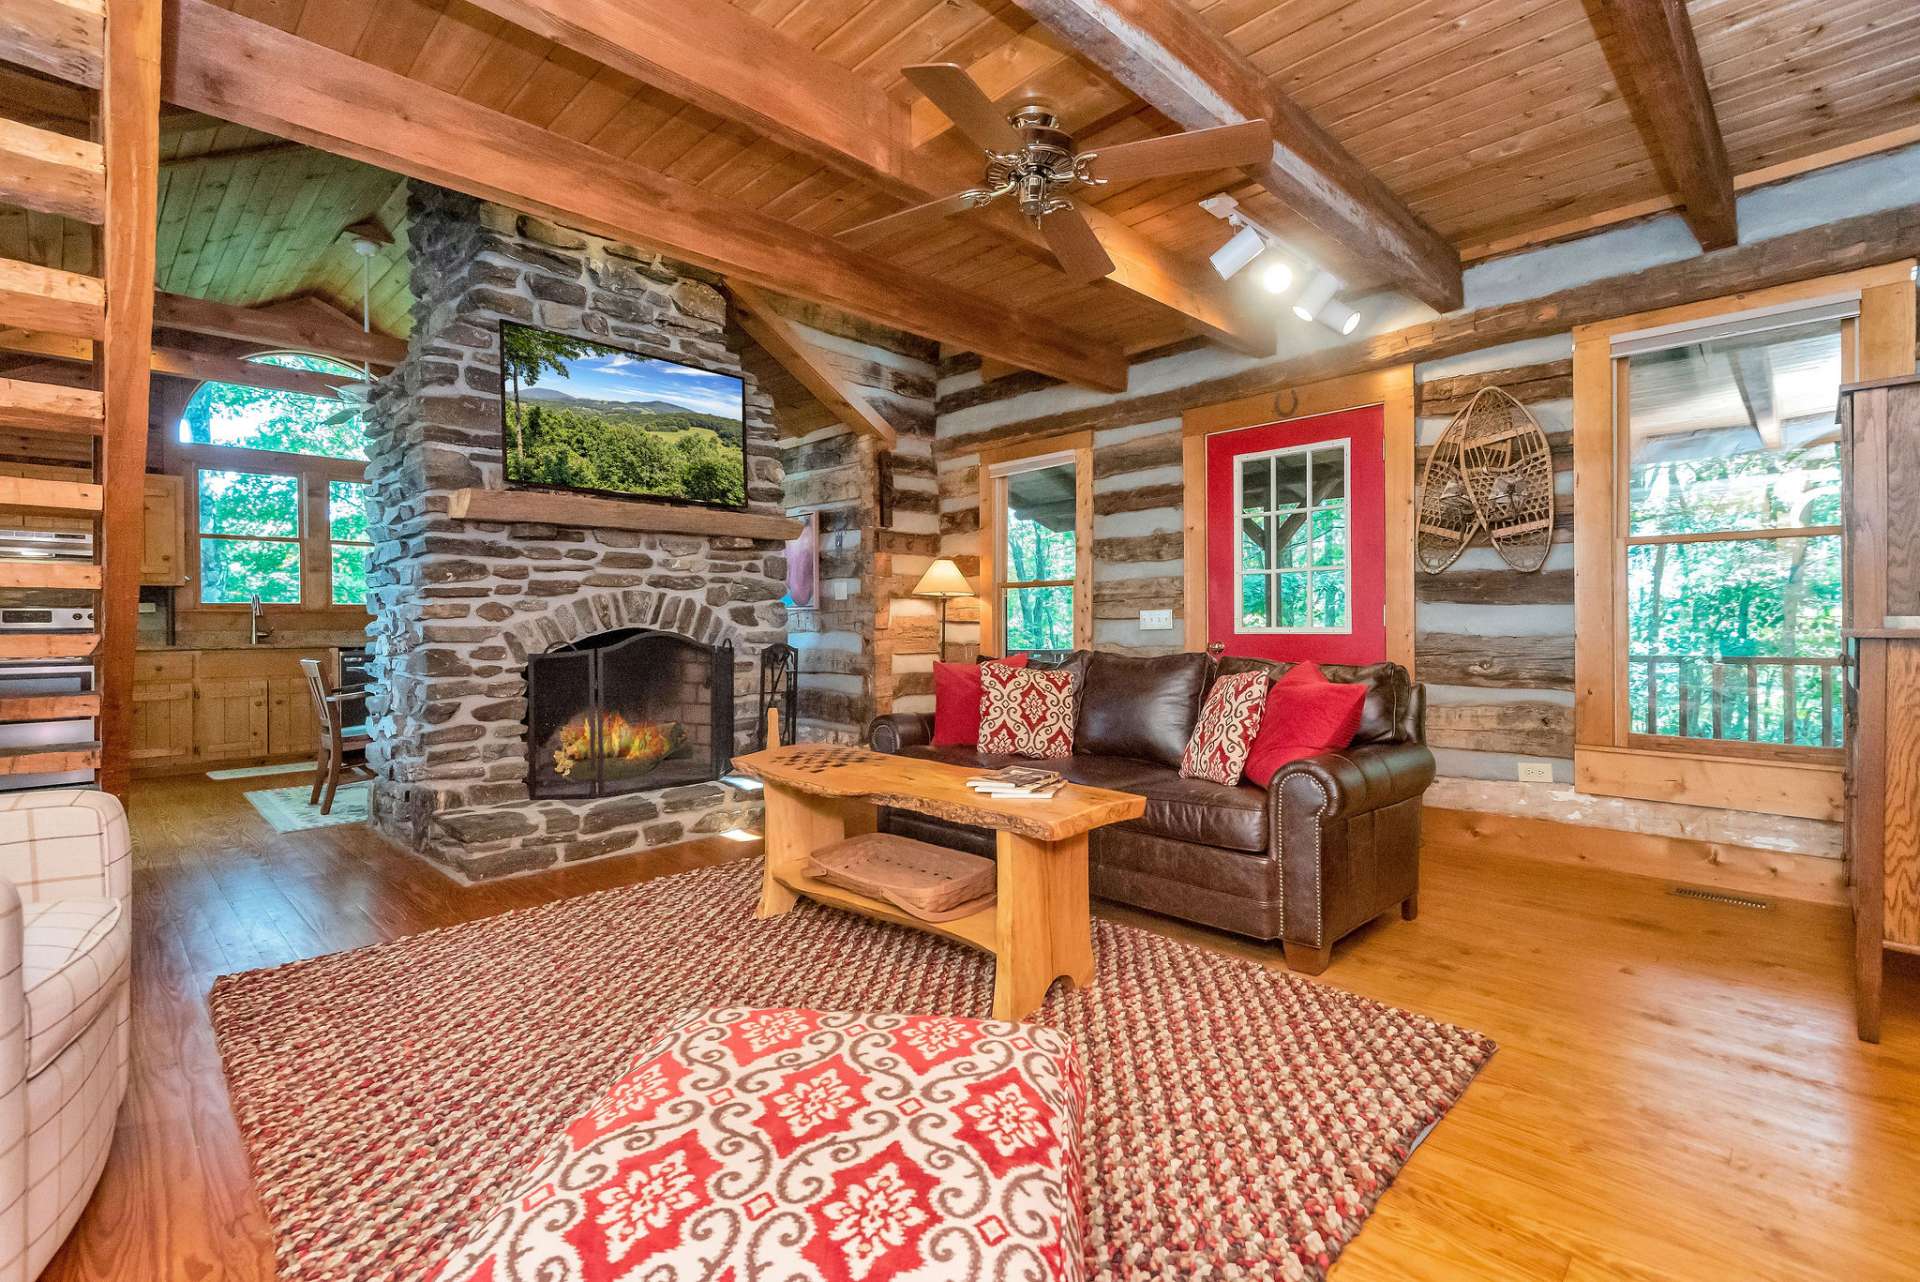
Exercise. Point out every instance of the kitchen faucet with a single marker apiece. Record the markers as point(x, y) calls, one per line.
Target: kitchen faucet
point(257, 634)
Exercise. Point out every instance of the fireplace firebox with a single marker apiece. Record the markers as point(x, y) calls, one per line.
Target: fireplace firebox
point(627, 710)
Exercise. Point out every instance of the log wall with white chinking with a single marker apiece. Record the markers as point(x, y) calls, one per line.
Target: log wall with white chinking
point(866, 647)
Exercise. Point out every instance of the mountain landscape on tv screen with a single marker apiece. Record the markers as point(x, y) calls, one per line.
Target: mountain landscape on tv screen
point(581, 415)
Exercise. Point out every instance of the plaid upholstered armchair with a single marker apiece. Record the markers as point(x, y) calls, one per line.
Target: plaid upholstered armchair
point(65, 941)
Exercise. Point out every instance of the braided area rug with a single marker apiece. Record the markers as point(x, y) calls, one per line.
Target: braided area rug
point(1241, 1123)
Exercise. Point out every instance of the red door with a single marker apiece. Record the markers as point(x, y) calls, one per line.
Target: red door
point(1296, 538)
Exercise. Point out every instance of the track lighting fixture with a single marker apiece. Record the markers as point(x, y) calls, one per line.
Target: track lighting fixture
point(1314, 295)
point(1338, 317)
point(1276, 277)
point(1246, 245)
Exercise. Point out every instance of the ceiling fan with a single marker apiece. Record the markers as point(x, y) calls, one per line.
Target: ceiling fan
point(1031, 159)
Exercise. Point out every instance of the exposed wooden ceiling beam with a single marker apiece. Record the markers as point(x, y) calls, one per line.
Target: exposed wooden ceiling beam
point(206, 366)
point(50, 172)
point(725, 61)
point(806, 363)
point(63, 38)
point(1650, 46)
point(1167, 55)
point(260, 76)
point(309, 331)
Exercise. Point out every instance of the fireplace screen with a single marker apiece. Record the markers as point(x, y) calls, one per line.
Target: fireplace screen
point(627, 710)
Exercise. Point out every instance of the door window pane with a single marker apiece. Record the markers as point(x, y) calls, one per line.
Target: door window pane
point(1304, 536)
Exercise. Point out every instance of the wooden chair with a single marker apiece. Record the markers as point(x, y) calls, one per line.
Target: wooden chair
point(333, 741)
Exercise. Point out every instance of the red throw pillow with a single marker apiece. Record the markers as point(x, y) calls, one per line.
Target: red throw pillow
point(1028, 714)
point(1304, 717)
point(956, 701)
point(1304, 674)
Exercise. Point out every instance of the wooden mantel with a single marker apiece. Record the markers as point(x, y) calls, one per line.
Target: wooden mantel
point(541, 507)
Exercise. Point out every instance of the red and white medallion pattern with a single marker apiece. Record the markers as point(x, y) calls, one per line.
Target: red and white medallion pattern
point(1028, 712)
point(811, 1147)
point(1228, 724)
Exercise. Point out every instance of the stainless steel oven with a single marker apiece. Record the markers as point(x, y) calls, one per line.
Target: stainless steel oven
point(44, 678)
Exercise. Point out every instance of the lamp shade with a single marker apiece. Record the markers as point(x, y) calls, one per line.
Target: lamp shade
point(943, 578)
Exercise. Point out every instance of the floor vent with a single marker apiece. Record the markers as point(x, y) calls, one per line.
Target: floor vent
point(1720, 897)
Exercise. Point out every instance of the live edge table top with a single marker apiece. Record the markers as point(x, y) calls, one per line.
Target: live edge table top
point(936, 788)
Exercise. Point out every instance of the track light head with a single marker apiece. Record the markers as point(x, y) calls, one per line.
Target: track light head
point(1338, 317)
point(1316, 294)
point(1276, 277)
point(1246, 245)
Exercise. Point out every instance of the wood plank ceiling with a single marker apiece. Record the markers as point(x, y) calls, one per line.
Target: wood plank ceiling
point(1497, 122)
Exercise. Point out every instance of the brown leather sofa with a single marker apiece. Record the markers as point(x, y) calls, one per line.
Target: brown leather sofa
point(1334, 844)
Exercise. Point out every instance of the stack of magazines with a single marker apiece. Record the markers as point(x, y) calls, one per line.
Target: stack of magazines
point(1018, 782)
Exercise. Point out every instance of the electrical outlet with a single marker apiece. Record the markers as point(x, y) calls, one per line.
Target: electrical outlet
point(1536, 772)
point(1156, 620)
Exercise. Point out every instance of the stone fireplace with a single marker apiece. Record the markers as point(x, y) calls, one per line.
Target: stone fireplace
point(628, 710)
point(478, 623)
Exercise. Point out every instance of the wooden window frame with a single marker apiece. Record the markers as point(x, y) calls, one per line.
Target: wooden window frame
point(311, 473)
point(1610, 760)
point(1070, 447)
point(1390, 388)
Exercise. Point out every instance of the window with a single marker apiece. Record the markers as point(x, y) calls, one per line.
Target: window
point(279, 492)
point(1038, 510)
point(347, 535)
point(260, 418)
point(1732, 546)
point(1292, 573)
point(249, 537)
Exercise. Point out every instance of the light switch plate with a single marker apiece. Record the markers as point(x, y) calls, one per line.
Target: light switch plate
point(1536, 772)
point(1156, 620)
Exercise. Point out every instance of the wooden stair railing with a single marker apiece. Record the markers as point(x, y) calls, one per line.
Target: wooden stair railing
point(111, 181)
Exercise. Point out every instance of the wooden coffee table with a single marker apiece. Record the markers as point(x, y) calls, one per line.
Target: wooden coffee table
point(1040, 926)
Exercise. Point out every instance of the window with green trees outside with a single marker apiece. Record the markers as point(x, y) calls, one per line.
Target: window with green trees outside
point(1733, 537)
point(255, 520)
point(1039, 556)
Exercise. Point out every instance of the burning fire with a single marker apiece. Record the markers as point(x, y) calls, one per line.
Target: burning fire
point(638, 747)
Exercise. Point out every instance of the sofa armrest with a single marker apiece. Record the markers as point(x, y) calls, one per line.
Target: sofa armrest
point(899, 730)
point(1356, 780)
point(65, 844)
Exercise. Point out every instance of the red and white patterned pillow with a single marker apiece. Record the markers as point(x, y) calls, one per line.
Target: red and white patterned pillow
point(1228, 725)
point(809, 1147)
point(1026, 711)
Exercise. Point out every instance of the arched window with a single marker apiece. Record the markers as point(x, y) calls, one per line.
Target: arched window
point(279, 496)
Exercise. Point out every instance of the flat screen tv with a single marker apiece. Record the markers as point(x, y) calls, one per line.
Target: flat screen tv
point(580, 415)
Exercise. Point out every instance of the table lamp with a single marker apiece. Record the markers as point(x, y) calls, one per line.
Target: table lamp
point(944, 580)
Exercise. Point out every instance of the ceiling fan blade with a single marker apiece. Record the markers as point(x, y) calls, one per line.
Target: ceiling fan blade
point(1226, 147)
point(1074, 243)
point(952, 90)
point(871, 233)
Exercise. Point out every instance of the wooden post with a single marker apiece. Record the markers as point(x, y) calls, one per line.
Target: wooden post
point(773, 727)
point(130, 136)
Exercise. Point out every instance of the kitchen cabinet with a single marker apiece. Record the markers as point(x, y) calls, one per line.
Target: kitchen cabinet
point(229, 717)
point(163, 550)
point(162, 723)
point(291, 728)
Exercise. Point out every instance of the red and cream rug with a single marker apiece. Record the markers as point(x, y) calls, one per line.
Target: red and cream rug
point(1241, 1123)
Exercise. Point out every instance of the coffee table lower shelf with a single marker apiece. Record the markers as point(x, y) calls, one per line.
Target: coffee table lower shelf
point(1039, 929)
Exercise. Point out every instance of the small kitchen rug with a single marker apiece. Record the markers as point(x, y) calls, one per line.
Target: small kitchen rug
point(287, 809)
point(255, 772)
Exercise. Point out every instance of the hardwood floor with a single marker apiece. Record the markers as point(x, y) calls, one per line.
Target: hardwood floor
point(1678, 1093)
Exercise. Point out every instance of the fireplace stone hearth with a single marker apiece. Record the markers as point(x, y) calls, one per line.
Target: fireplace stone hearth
point(461, 606)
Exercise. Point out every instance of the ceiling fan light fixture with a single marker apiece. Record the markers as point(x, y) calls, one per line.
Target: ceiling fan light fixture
point(1316, 294)
point(1246, 245)
point(1339, 318)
